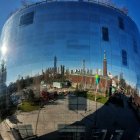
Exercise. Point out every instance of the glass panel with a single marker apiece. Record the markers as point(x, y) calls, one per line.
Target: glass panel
point(105, 35)
point(121, 23)
point(124, 58)
point(27, 19)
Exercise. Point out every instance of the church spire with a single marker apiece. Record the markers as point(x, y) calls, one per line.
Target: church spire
point(104, 64)
point(104, 55)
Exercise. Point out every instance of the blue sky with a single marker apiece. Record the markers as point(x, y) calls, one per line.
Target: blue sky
point(133, 9)
point(8, 6)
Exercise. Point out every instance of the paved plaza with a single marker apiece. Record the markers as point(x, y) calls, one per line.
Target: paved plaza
point(45, 123)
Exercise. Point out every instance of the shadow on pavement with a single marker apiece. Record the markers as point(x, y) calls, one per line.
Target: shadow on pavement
point(113, 120)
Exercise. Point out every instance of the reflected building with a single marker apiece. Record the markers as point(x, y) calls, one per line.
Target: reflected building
point(73, 31)
point(3, 74)
point(55, 65)
point(104, 65)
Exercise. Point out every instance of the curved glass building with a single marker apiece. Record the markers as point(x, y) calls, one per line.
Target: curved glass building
point(72, 31)
point(90, 45)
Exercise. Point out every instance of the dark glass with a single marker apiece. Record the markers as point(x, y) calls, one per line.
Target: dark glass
point(27, 19)
point(121, 23)
point(135, 46)
point(124, 57)
point(105, 35)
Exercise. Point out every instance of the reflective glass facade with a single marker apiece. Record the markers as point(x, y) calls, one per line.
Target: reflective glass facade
point(72, 31)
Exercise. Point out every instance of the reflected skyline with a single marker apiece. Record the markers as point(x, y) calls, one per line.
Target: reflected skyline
point(55, 34)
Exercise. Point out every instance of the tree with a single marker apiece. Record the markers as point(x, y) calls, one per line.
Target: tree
point(77, 87)
point(67, 73)
point(22, 83)
point(31, 96)
point(28, 81)
point(72, 72)
point(12, 87)
point(36, 81)
point(42, 76)
point(122, 83)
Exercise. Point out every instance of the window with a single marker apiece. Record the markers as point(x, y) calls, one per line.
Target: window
point(27, 19)
point(121, 23)
point(105, 36)
point(135, 46)
point(124, 57)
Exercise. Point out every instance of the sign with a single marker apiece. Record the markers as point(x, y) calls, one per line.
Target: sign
point(97, 78)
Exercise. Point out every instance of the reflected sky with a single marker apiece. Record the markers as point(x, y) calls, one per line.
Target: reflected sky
point(32, 48)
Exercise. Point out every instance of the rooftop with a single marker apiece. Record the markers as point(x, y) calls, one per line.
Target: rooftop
point(106, 3)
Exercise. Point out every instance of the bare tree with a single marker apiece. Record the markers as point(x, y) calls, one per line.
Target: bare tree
point(36, 81)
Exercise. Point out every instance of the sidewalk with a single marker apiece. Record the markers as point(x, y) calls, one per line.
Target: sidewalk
point(5, 132)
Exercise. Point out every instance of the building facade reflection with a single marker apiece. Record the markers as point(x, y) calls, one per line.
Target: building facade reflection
point(73, 32)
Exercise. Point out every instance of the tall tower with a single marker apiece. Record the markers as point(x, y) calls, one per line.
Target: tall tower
point(83, 78)
point(105, 65)
point(55, 65)
point(3, 74)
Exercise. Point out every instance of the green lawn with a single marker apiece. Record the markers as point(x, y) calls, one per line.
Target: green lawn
point(102, 99)
point(27, 107)
point(91, 96)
